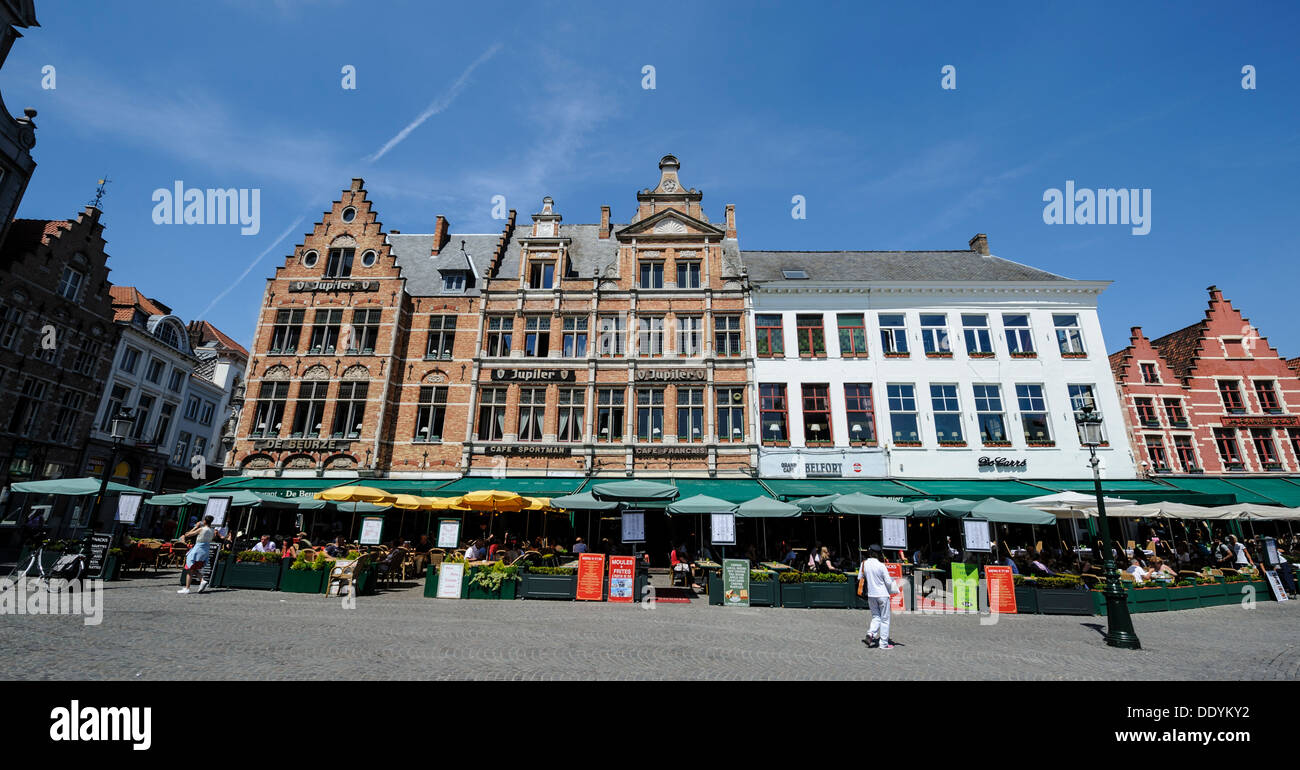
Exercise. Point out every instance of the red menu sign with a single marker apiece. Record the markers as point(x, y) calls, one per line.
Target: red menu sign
point(591, 576)
point(1002, 590)
point(622, 577)
point(896, 601)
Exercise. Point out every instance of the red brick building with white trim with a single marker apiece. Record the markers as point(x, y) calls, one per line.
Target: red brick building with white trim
point(1210, 398)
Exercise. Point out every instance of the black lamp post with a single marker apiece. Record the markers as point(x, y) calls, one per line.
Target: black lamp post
point(1119, 632)
point(119, 429)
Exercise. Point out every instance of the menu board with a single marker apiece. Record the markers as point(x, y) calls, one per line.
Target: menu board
point(591, 577)
point(976, 532)
point(100, 542)
point(893, 532)
point(896, 600)
point(450, 575)
point(1275, 586)
point(965, 587)
point(633, 526)
point(1002, 590)
point(372, 528)
point(735, 582)
point(448, 533)
point(128, 506)
point(723, 528)
point(210, 566)
point(622, 578)
point(216, 507)
point(1270, 552)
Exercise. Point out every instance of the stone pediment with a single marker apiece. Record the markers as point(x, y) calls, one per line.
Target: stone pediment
point(669, 223)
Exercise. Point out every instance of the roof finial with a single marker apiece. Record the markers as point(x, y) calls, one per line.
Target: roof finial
point(100, 191)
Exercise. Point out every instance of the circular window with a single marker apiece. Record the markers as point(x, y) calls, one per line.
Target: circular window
point(309, 259)
point(349, 214)
point(368, 259)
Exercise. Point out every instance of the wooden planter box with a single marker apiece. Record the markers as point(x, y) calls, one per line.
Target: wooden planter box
point(792, 595)
point(1184, 598)
point(1148, 599)
point(254, 575)
point(816, 595)
point(1211, 595)
point(1065, 601)
point(766, 593)
point(550, 586)
point(304, 581)
point(1026, 599)
point(507, 590)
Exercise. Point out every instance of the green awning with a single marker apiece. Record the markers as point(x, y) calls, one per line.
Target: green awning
point(634, 491)
point(1278, 490)
point(858, 504)
point(954, 507)
point(1107, 485)
point(700, 504)
point(527, 486)
point(361, 507)
point(816, 504)
point(731, 490)
point(976, 489)
point(1220, 487)
point(239, 498)
point(989, 508)
point(767, 508)
point(794, 488)
point(82, 486)
point(583, 501)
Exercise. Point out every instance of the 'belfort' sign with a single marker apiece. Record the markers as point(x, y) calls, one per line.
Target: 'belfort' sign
point(334, 286)
point(530, 375)
point(301, 444)
point(540, 450)
point(1260, 422)
point(670, 375)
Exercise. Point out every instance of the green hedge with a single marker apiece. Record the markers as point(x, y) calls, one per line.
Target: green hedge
point(813, 577)
point(552, 570)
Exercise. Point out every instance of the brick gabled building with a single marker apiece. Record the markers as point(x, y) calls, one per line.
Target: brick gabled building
point(1211, 398)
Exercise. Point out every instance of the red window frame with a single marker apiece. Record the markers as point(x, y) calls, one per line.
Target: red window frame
point(1146, 410)
point(774, 335)
point(1265, 446)
point(1150, 373)
point(1230, 395)
point(1174, 410)
point(861, 404)
point(1225, 440)
point(817, 409)
point(771, 399)
point(857, 323)
point(1185, 451)
point(1294, 435)
point(1156, 452)
point(1266, 391)
point(818, 324)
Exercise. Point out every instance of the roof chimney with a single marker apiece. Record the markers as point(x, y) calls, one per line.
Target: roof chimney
point(439, 234)
point(980, 244)
point(604, 221)
point(731, 220)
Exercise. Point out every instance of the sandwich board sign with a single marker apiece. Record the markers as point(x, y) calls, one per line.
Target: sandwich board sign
point(450, 575)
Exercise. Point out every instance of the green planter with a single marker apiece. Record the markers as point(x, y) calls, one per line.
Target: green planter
point(304, 581)
point(1148, 599)
point(548, 586)
point(835, 596)
point(113, 567)
point(1211, 595)
point(1026, 600)
point(762, 593)
point(507, 590)
point(1184, 598)
point(1065, 601)
point(218, 574)
point(1262, 593)
point(254, 575)
point(793, 595)
point(1098, 603)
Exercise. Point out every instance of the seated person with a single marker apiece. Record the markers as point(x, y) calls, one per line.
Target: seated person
point(1136, 569)
point(265, 545)
point(1161, 571)
point(1007, 561)
point(290, 550)
point(337, 549)
point(1037, 566)
point(579, 546)
point(790, 557)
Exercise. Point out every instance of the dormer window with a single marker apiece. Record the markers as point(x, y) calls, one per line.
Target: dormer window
point(167, 333)
point(541, 274)
point(795, 275)
point(340, 263)
point(70, 284)
point(453, 282)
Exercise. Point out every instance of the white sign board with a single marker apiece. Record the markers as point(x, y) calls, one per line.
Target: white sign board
point(448, 533)
point(893, 532)
point(450, 575)
point(723, 528)
point(976, 532)
point(128, 505)
point(216, 507)
point(1275, 585)
point(372, 528)
point(633, 526)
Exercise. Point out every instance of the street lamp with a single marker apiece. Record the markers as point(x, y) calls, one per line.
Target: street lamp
point(1119, 632)
point(119, 428)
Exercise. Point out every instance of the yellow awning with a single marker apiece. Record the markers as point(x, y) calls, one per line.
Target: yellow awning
point(357, 494)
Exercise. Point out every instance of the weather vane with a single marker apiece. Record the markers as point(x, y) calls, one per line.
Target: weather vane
point(100, 191)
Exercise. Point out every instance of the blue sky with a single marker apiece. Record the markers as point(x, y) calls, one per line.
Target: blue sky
point(840, 103)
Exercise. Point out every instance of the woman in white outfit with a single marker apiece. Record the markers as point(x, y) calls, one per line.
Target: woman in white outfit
point(877, 585)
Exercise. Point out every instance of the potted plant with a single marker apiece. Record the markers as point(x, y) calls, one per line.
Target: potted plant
point(547, 582)
point(494, 581)
point(254, 569)
point(306, 576)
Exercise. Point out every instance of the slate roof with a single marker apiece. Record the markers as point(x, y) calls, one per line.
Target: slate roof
point(964, 265)
point(588, 252)
point(1178, 349)
point(423, 271)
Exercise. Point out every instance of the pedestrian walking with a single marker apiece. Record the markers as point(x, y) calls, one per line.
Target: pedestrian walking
point(877, 585)
point(195, 560)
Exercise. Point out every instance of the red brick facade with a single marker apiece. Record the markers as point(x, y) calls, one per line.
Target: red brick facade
point(1238, 400)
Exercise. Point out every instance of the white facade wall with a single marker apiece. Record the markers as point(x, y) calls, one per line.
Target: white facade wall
point(1066, 460)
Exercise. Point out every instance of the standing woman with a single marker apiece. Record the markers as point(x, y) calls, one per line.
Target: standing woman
point(203, 535)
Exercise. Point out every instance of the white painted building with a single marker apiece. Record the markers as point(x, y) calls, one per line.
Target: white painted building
point(936, 365)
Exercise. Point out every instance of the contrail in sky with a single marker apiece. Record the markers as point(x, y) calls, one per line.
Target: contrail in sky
point(251, 265)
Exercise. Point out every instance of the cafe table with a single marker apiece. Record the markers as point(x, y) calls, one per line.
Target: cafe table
point(706, 566)
point(775, 566)
point(925, 571)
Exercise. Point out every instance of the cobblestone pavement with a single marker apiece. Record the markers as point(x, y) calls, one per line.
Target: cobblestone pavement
point(150, 632)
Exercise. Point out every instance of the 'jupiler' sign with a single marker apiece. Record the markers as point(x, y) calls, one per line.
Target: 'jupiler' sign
point(334, 286)
point(670, 375)
point(527, 375)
